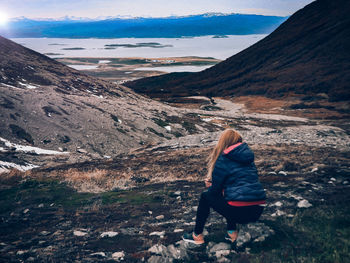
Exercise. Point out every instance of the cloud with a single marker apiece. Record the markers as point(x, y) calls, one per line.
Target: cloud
point(95, 8)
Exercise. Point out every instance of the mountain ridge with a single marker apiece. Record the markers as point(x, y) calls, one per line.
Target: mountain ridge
point(305, 55)
point(185, 26)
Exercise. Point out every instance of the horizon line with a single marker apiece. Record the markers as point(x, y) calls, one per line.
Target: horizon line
point(77, 18)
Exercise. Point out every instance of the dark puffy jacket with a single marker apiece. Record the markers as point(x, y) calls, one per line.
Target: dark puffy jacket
point(236, 174)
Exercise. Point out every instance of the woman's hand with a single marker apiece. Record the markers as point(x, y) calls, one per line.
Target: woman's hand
point(207, 183)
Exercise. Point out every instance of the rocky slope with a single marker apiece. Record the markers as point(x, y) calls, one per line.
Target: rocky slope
point(45, 220)
point(306, 55)
point(134, 207)
point(48, 105)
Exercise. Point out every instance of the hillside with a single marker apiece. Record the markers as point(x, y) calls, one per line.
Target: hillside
point(308, 54)
point(184, 26)
point(48, 105)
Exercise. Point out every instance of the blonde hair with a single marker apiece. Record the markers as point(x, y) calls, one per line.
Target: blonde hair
point(228, 137)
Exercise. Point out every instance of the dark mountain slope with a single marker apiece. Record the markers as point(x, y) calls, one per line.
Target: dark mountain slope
point(307, 54)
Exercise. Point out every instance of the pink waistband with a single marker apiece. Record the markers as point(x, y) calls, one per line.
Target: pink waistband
point(246, 203)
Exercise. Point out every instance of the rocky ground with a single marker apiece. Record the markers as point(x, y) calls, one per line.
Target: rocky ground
point(135, 206)
point(43, 219)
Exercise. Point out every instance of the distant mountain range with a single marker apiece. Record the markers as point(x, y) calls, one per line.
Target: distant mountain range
point(115, 27)
point(308, 54)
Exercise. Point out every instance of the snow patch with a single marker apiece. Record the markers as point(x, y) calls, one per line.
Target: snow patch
point(24, 148)
point(104, 61)
point(9, 86)
point(109, 234)
point(28, 86)
point(6, 166)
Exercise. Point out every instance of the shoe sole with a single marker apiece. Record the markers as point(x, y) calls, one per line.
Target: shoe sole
point(192, 241)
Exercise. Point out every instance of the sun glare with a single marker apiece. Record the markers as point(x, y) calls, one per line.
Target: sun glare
point(3, 19)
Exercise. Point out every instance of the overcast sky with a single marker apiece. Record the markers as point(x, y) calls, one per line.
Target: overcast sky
point(145, 8)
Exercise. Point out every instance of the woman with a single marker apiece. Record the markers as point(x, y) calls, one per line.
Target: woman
point(234, 188)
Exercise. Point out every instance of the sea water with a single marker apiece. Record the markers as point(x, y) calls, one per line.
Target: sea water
point(206, 46)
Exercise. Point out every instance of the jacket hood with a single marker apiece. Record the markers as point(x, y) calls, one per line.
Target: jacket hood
point(241, 153)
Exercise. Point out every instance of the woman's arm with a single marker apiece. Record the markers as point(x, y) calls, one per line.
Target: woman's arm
point(218, 179)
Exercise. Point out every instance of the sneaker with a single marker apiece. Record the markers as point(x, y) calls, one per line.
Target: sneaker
point(192, 238)
point(231, 237)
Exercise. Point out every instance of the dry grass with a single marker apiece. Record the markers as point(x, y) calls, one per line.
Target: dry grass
point(94, 181)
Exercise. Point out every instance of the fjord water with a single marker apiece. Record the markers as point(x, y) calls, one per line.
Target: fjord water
point(205, 46)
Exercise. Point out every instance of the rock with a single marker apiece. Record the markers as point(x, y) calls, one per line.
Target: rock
point(278, 213)
point(21, 252)
point(173, 252)
point(159, 259)
point(150, 212)
point(40, 205)
point(283, 173)
point(220, 246)
point(243, 238)
point(177, 230)
point(160, 217)
point(131, 231)
point(346, 182)
point(25, 211)
point(333, 179)
point(79, 233)
point(223, 260)
point(44, 233)
point(81, 150)
point(177, 193)
point(118, 256)
point(271, 173)
point(304, 204)
point(314, 170)
point(260, 239)
point(100, 254)
point(221, 253)
point(278, 203)
point(109, 234)
point(158, 249)
point(161, 234)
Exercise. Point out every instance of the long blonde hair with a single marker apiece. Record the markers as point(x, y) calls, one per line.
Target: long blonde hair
point(228, 137)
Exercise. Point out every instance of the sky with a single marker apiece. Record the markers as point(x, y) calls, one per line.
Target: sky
point(145, 8)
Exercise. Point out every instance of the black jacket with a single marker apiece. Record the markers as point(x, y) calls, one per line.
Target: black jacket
point(235, 174)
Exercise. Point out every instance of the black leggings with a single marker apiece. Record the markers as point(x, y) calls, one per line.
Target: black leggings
point(233, 214)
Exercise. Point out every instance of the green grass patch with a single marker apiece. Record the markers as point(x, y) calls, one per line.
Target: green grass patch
point(189, 126)
point(129, 197)
point(155, 132)
point(160, 122)
point(21, 133)
point(319, 234)
point(33, 192)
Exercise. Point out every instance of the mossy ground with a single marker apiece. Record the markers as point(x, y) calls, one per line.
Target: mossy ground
point(317, 234)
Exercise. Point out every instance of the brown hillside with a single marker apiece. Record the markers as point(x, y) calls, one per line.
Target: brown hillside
point(308, 54)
